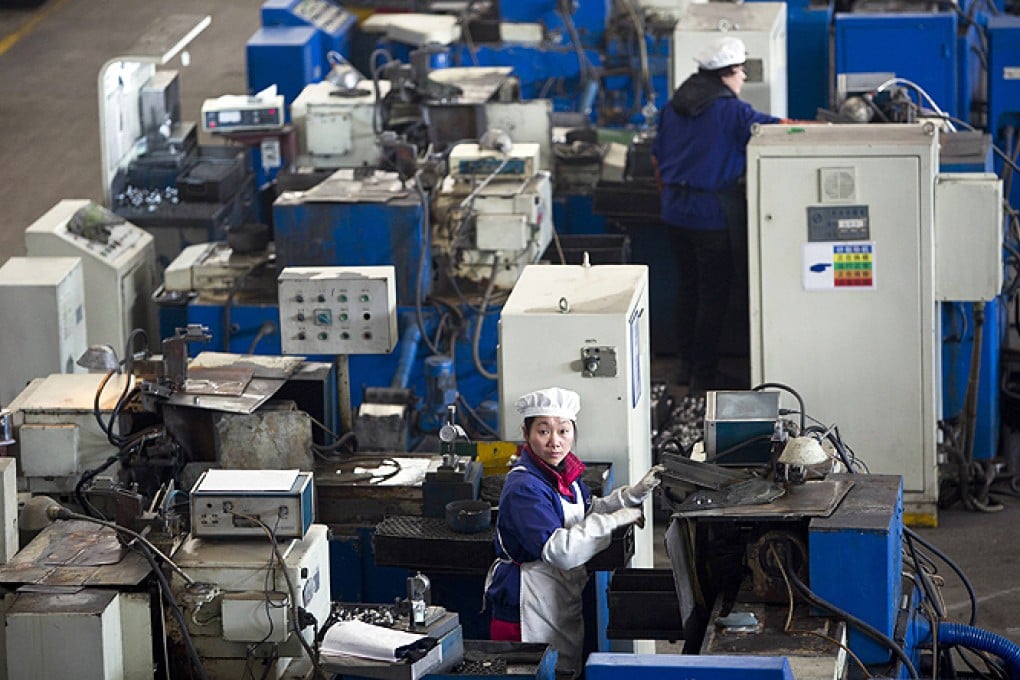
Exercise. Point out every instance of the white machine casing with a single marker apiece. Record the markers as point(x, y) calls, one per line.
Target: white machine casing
point(541, 345)
point(120, 275)
point(56, 432)
point(863, 356)
point(242, 571)
point(334, 129)
point(9, 541)
point(470, 164)
point(210, 267)
point(239, 113)
point(762, 27)
point(82, 630)
point(968, 236)
point(338, 310)
point(42, 303)
point(513, 214)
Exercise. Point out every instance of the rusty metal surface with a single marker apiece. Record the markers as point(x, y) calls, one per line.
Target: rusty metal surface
point(811, 499)
point(61, 601)
point(276, 437)
point(75, 553)
point(262, 366)
point(228, 381)
point(257, 392)
point(771, 640)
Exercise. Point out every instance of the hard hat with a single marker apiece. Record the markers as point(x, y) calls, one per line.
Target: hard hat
point(728, 51)
point(551, 401)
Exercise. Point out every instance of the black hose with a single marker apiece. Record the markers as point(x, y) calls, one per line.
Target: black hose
point(859, 624)
point(796, 395)
point(907, 531)
point(175, 609)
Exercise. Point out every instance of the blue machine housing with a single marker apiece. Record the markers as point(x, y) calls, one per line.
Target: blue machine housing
point(621, 86)
point(334, 24)
point(310, 234)
point(404, 367)
point(589, 17)
point(957, 347)
point(807, 57)
point(917, 46)
point(545, 72)
point(289, 57)
point(866, 531)
point(1004, 90)
point(687, 666)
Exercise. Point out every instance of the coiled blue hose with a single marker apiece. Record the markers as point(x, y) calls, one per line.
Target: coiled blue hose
point(968, 636)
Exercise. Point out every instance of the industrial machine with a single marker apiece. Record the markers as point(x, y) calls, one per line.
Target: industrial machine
point(494, 212)
point(829, 241)
point(118, 265)
point(244, 611)
point(762, 27)
point(50, 338)
point(58, 437)
point(336, 126)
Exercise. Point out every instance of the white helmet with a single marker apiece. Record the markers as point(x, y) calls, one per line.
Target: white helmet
point(728, 51)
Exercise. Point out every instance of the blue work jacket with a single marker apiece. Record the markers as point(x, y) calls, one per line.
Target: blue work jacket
point(529, 512)
point(701, 154)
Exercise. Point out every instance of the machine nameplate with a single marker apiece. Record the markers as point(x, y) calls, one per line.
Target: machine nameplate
point(838, 223)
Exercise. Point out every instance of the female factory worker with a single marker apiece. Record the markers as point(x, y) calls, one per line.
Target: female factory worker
point(700, 154)
point(549, 526)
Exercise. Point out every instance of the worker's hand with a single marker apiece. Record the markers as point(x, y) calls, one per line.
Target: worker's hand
point(635, 494)
point(625, 516)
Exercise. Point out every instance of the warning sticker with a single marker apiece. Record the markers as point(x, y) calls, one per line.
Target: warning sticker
point(839, 265)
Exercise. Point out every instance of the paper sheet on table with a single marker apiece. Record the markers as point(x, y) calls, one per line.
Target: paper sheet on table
point(249, 480)
point(356, 638)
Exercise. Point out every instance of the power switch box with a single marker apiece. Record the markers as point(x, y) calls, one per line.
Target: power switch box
point(227, 503)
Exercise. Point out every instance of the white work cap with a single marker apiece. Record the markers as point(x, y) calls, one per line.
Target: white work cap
point(728, 51)
point(552, 401)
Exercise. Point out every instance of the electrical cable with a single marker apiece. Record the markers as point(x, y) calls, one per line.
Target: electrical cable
point(857, 623)
point(65, 514)
point(952, 565)
point(480, 320)
point(425, 253)
point(265, 330)
point(781, 386)
point(144, 547)
point(787, 627)
point(313, 657)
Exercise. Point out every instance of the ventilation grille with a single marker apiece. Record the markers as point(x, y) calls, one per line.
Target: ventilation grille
point(837, 185)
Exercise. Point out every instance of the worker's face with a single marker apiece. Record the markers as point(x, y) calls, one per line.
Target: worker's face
point(550, 438)
point(735, 79)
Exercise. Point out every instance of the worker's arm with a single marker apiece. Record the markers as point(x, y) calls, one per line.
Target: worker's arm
point(658, 177)
point(570, 548)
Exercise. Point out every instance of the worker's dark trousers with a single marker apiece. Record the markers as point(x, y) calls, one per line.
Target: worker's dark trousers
point(704, 262)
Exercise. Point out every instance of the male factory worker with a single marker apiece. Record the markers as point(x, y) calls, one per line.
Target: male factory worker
point(700, 156)
point(549, 526)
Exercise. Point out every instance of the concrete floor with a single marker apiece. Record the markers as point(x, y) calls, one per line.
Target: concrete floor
point(49, 150)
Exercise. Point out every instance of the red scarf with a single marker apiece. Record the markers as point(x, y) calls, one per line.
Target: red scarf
point(570, 470)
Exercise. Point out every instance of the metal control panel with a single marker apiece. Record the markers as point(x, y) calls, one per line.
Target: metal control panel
point(838, 223)
point(338, 310)
point(237, 113)
point(229, 512)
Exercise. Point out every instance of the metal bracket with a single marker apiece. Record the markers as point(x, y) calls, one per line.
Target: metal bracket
point(598, 362)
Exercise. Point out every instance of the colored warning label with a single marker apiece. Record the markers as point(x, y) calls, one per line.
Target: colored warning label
point(853, 265)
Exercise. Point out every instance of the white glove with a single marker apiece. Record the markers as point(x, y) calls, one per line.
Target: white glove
point(635, 494)
point(571, 548)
